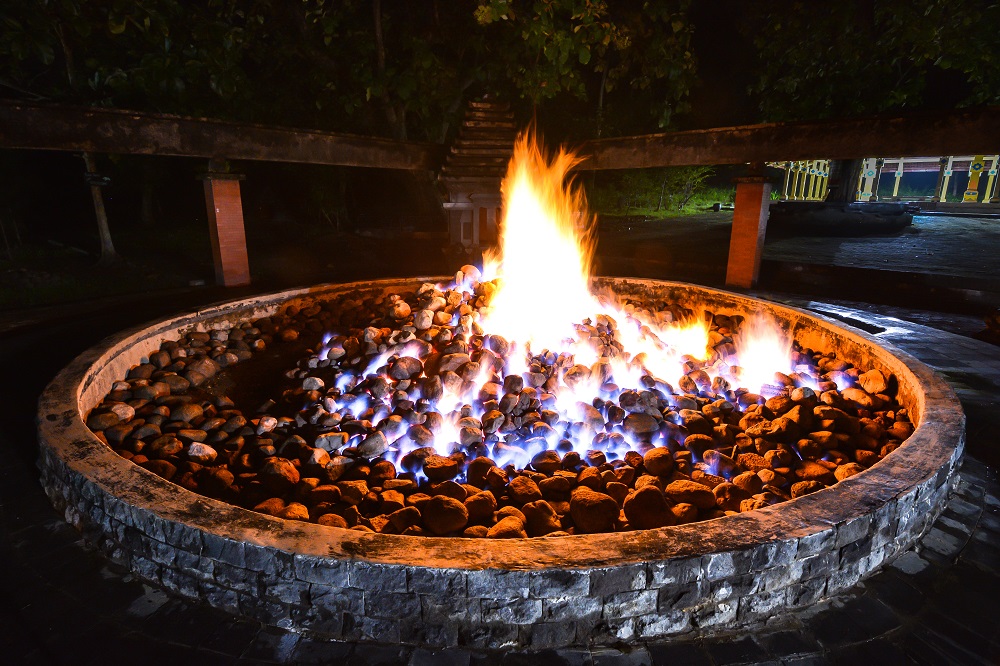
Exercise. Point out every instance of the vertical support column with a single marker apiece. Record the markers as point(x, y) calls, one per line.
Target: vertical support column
point(975, 170)
point(225, 222)
point(788, 179)
point(826, 180)
point(879, 163)
point(899, 177)
point(746, 243)
point(946, 170)
point(866, 180)
point(990, 189)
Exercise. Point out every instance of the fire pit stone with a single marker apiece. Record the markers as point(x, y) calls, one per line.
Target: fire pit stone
point(535, 593)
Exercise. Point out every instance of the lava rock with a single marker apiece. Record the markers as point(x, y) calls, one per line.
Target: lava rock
point(201, 453)
point(373, 445)
point(690, 492)
point(593, 511)
point(509, 527)
point(647, 508)
point(443, 514)
point(540, 518)
point(523, 490)
point(658, 461)
point(278, 475)
point(439, 468)
point(481, 507)
point(639, 424)
point(332, 520)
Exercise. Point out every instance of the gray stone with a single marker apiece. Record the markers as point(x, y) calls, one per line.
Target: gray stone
point(622, 578)
point(630, 604)
point(763, 605)
point(663, 624)
point(511, 611)
point(445, 582)
point(337, 600)
point(377, 578)
point(674, 572)
point(450, 610)
point(820, 565)
point(571, 608)
point(854, 530)
point(719, 565)
point(712, 616)
point(489, 636)
point(558, 583)
point(322, 571)
point(295, 592)
point(548, 635)
point(416, 631)
point(486, 582)
point(236, 578)
point(807, 592)
point(372, 629)
point(817, 542)
point(392, 605)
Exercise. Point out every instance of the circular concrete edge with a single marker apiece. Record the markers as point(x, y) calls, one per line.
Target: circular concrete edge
point(531, 593)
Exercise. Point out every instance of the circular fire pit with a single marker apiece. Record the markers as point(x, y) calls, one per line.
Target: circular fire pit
point(535, 593)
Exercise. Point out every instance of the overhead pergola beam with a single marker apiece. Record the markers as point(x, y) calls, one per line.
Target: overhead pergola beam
point(42, 127)
point(963, 132)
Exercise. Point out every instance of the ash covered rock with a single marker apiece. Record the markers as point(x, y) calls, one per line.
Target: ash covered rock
point(414, 419)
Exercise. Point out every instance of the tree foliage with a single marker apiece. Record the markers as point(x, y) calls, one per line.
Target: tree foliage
point(850, 58)
point(397, 67)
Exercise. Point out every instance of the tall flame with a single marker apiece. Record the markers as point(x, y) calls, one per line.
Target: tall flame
point(546, 251)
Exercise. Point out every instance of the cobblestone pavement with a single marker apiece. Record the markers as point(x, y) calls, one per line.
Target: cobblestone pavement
point(61, 603)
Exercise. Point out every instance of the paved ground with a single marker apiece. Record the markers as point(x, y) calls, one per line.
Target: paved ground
point(960, 253)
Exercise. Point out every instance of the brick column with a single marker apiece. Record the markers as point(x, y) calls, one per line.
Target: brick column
point(225, 222)
point(746, 244)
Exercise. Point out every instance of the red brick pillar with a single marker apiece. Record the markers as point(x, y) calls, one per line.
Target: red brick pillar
point(746, 244)
point(225, 222)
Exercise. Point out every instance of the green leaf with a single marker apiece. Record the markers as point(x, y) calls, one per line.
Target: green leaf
point(584, 55)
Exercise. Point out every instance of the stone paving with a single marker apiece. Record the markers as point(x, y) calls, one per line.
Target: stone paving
point(938, 603)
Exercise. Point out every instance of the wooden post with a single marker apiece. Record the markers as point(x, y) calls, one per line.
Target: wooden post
point(746, 243)
point(225, 223)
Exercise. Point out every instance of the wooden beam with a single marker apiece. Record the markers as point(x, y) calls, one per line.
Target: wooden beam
point(962, 132)
point(44, 127)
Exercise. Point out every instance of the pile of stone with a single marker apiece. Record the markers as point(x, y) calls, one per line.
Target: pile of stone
point(659, 455)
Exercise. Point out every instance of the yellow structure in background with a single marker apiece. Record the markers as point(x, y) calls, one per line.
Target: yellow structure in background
point(975, 169)
point(875, 167)
point(806, 180)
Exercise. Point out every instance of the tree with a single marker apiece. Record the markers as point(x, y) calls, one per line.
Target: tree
point(592, 51)
point(900, 55)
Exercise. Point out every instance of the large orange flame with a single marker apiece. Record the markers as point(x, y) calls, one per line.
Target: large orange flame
point(547, 246)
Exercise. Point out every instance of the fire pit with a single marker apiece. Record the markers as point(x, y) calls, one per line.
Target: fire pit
point(598, 588)
point(448, 466)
